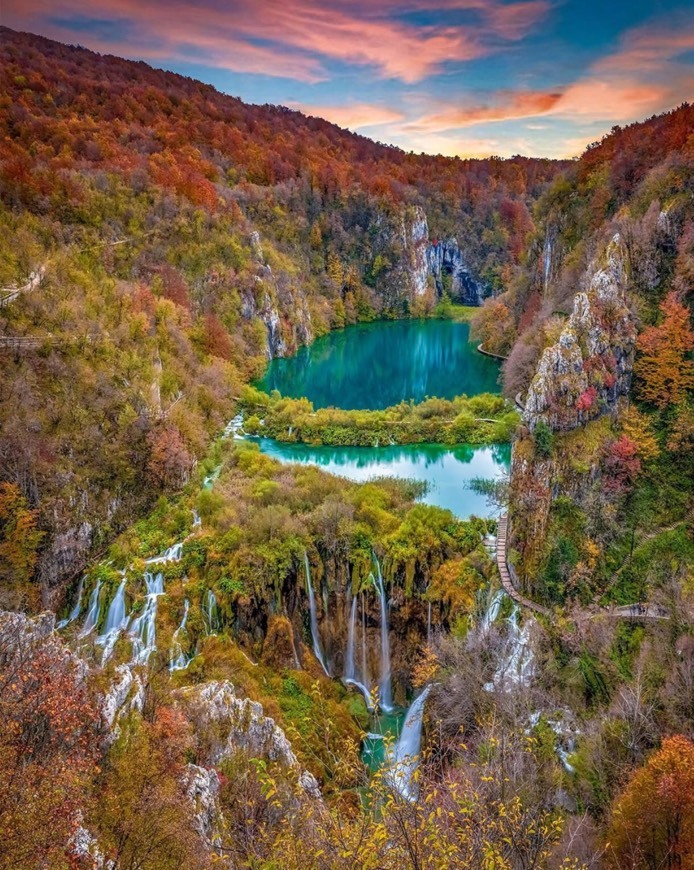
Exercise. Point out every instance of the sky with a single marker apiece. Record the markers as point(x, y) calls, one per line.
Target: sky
point(467, 77)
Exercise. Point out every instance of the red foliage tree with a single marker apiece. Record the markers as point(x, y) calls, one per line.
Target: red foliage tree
point(621, 464)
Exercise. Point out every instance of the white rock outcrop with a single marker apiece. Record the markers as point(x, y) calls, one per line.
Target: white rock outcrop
point(228, 724)
point(586, 371)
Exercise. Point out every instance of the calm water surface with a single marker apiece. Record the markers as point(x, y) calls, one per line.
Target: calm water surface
point(375, 365)
point(447, 470)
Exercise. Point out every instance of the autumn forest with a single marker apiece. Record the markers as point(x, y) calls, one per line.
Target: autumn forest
point(346, 492)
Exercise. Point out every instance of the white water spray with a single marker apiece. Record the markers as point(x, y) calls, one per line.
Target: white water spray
point(92, 618)
point(403, 758)
point(75, 612)
point(144, 627)
point(385, 689)
point(179, 660)
point(116, 620)
point(314, 620)
point(211, 613)
point(350, 677)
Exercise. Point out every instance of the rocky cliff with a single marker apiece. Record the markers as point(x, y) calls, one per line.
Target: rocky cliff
point(589, 367)
point(582, 376)
point(452, 274)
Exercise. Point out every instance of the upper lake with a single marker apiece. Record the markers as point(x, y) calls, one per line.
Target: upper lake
point(376, 365)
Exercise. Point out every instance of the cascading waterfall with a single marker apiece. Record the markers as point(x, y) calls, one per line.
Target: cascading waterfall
point(116, 620)
point(144, 627)
point(197, 522)
point(492, 611)
point(179, 660)
point(92, 618)
point(314, 620)
point(350, 677)
point(517, 664)
point(75, 612)
point(172, 554)
point(211, 613)
point(384, 685)
point(403, 758)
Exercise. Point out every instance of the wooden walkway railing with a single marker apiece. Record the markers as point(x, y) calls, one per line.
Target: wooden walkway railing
point(640, 610)
point(505, 574)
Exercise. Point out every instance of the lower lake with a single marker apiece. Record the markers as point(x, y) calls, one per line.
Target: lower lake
point(446, 470)
point(376, 365)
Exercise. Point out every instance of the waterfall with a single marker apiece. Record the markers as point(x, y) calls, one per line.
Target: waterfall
point(403, 758)
point(364, 668)
point(179, 660)
point(492, 611)
point(350, 678)
point(197, 522)
point(314, 620)
point(172, 554)
point(144, 627)
point(517, 664)
point(385, 690)
point(92, 617)
point(75, 612)
point(116, 620)
point(211, 614)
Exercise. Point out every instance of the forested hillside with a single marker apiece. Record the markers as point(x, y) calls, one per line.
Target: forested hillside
point(213, 658)
point(598, 328)
point(179, 238)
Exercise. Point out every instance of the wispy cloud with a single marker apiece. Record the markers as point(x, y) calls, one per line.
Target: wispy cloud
point(293, 39)
point(505, 105)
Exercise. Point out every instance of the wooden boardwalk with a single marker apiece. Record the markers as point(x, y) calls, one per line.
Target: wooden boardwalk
point(638, 611)
point(505, 574)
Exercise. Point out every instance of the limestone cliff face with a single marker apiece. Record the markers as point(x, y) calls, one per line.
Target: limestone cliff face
point(579, 378)
point(589, 368)
point(445, 258)
point(227, 724)
point(281, 307)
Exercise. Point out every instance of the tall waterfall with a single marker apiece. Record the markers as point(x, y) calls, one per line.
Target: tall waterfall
point(144, 627)
point(75, 612)
point(492, 611)
point(92, 618)
point(116, 621)
point(350, 677)
point(517, 663)
point(211, 612)
point(385, 689)
point(403, 758)
point(314, 620)
point(179, 660)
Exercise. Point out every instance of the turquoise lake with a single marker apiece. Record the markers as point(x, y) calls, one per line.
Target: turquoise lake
point(379, 364)
point(447, 470)
point(375, 365)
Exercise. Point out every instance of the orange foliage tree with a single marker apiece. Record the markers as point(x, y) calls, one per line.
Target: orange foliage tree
point(19, 537)
point(664, 371)
point(653, 819)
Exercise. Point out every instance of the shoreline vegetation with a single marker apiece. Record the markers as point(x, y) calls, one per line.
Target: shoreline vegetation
point(477, 420)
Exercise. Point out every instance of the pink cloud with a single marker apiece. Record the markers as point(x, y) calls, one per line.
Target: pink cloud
point(294, 38)
point(507, 105)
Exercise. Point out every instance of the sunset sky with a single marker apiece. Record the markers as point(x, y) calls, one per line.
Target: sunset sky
point(467, 77)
